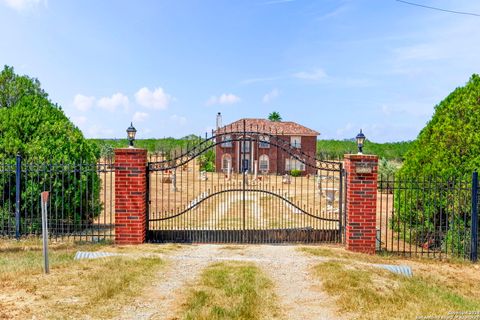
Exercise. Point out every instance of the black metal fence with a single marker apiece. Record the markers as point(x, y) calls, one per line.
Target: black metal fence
point(428, 216)
point(81, 202)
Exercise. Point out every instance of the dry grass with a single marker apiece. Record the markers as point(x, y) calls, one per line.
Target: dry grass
point(234, 247)
point(74, 289)
point(338, 252)
point(231, 290)
point(437, 287)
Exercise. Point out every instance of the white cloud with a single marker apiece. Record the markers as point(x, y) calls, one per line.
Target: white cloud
point(83, 103)
point(156, 99)
point(316, 74)
point(415, 109)
point(226, 98)
point(96, 131)
point(178, 120)
point(80, 120)
point(22, 5)
point(140, 116)
point(112, 103)
point(270, 96)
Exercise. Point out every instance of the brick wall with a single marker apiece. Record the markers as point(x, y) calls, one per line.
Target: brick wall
point(309, 147)
point(276, 155)
point(130, 195)
point(361, 202)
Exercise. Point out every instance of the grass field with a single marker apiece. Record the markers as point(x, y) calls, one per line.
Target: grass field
point(74, 288)
point(227, 282)
point(231, 290)
point(365, 292)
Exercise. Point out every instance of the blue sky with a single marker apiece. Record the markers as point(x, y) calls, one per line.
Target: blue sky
point(169, 66)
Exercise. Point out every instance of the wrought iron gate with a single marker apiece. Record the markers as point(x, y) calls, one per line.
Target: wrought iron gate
point(241, 196)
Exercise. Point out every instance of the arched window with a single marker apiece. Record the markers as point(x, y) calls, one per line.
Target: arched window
point(226, 162)
point(263, 163)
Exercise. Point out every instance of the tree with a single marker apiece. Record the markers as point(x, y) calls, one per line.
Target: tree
point(14, 87)
point(275, 116)
point(444, 154)
point(450, 142)
point(37, 129)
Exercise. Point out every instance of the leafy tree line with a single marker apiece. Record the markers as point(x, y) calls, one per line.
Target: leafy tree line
point(335, 149)
point(326, 149)
point(154, 146)
point(34, 127)
point(440, 163)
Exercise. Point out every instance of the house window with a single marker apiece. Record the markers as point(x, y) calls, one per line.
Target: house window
point(296, 142)
point(264, 142)
point(294, 164)
point(246, 146)
point(227, 141)
point(226, 162)
point(263, 163)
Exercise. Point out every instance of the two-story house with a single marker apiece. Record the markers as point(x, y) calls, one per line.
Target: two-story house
point(268, 145)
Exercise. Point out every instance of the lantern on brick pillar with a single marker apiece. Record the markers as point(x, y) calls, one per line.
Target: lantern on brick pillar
point(131, 132)
point(360, 141)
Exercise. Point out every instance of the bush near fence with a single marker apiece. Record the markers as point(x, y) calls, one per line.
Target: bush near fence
point(426, 214)
point(74, 196)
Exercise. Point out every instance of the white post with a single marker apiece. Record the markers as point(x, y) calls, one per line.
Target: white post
point(44, 197)
point(229, 169)
point(174, 180)
point(255, 170)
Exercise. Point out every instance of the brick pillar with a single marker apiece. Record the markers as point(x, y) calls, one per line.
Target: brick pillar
point(130, 195)
point(361, 202)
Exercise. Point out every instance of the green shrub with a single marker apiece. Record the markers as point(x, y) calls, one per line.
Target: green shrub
point(207, 160)
point(296, 173)
point(444, 155)
point(37, 129)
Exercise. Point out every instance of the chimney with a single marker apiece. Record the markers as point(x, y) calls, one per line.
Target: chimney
point(219, 120)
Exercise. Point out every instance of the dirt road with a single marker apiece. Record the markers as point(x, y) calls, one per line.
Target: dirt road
point(300, 295)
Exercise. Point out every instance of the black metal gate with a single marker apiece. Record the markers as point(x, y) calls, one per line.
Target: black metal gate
point(244, 186)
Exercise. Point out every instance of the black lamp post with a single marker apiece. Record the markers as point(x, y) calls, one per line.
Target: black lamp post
point(360, 140)
point(131, 132)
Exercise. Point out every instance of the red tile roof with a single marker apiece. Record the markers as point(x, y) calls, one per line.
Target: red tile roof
point(272, 127)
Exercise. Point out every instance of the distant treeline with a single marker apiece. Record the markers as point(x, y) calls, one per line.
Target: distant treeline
point(335, 149)
point(326, 149)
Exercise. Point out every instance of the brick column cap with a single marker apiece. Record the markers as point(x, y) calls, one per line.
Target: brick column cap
point(357, 156)
point(130, 151)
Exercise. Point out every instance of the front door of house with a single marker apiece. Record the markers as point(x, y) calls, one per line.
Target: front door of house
point(245, 165)
point(245, 155)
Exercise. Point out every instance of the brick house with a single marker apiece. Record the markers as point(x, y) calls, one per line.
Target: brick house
point(263, 150)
